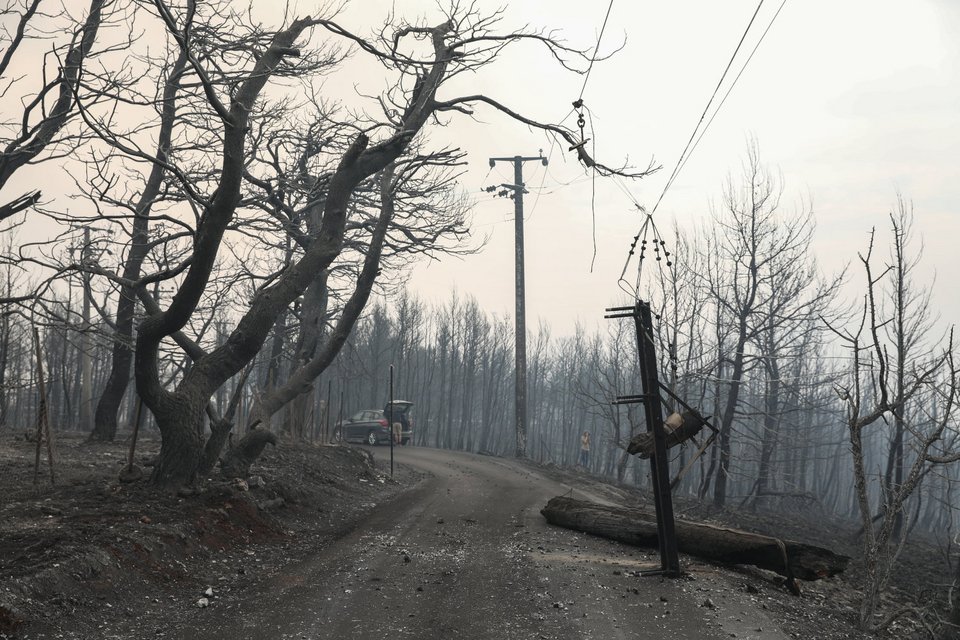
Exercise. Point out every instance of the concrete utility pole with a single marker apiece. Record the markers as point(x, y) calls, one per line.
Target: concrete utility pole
point(521, 323)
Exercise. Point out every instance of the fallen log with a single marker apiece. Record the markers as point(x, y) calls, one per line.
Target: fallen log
point(717, 544)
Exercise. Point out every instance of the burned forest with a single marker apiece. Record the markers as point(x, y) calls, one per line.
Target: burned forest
point(322, 320)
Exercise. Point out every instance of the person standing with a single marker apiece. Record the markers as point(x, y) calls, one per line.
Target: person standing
point(584, 460)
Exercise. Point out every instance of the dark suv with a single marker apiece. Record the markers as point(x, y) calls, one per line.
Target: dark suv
point(371, 426)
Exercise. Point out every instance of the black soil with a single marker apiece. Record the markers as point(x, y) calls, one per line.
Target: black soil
point(91, 553)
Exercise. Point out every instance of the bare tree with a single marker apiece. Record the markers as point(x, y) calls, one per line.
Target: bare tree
point(47, 109)
point(38, 123)
point(758, 273)
point(105, 421)
point(463, 42)
point(417, 214)
point(910, 325)
point(870, 397)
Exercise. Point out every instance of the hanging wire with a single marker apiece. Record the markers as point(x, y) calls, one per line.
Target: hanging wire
point(593, 185)
point(485, 178)
point(578, 103)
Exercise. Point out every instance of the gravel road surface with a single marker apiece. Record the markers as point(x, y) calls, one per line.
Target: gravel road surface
point(466, 554)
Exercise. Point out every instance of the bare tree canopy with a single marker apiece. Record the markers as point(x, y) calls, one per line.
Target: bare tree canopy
point(221, 164)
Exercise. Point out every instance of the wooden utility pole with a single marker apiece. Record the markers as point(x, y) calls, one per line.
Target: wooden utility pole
point(659, 472)
point(86, 346)
point(521, 323)
point(659, 463)
point(390, 419)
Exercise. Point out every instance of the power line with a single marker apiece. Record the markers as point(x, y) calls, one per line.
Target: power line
point(596, 50)
point(543, 179)
point(618, 181)
point(726, 70)
point(733, 84)
point(694, 138)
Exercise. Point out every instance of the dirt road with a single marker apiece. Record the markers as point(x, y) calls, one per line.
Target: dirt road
point(466, 554)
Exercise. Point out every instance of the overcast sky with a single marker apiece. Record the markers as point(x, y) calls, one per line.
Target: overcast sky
point(852, 101)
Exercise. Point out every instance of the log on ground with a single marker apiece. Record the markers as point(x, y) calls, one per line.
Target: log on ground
point(713, 543)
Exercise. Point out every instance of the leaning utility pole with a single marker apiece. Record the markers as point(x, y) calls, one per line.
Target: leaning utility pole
point(659, 463)
point(521, 323)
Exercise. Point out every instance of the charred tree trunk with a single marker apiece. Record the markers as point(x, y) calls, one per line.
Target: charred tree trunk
point(178, 418)
point(276, 352)
point(219, 433)
point(707, 473)
point(768, 439)
point(729, 414)
point(236, 463)
point(105, 418)
point(4, 358)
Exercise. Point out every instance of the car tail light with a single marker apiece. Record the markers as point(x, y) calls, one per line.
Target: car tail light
point(383, 422)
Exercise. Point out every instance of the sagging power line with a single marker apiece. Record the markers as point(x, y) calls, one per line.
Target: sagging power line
point(700, 129)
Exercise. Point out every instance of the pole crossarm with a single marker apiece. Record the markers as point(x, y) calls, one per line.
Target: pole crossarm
point(494, 161)
point(634, 399)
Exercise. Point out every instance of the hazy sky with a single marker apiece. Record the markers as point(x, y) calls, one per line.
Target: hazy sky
point(853, 101)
